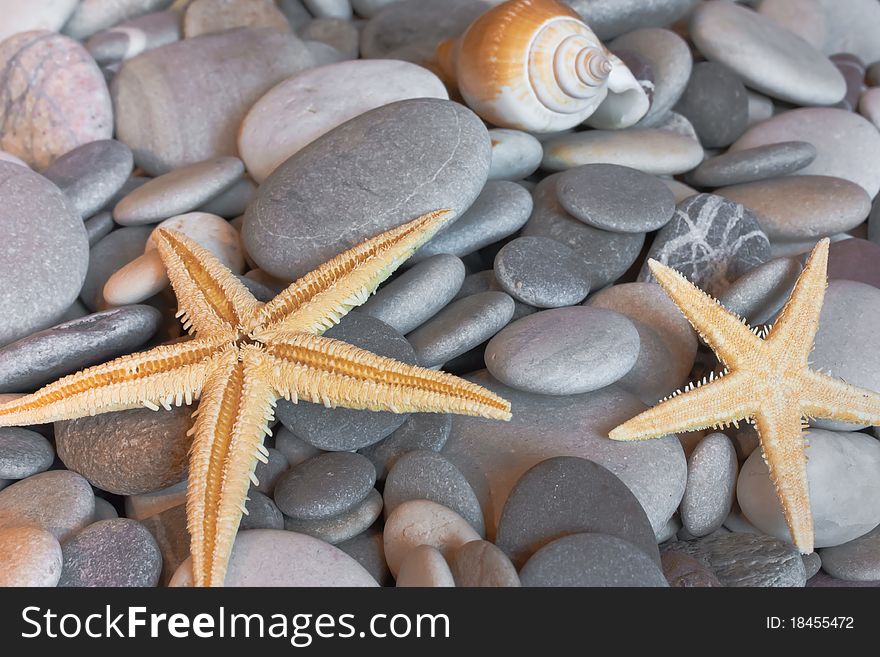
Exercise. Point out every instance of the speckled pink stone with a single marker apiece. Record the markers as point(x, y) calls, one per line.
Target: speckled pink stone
point(53, 97)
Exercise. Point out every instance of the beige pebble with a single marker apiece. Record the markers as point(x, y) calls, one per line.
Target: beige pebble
point(29, 557)
point(869, 106)
point(58, 501)
point(420, 522)
point(424, 566)
point(139, 507)
point(210, 16)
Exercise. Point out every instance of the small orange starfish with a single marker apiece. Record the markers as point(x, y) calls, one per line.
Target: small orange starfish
point(244, 356)
point(767, 382)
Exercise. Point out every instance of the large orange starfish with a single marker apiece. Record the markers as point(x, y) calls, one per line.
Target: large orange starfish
point(767, 382)
point(244, 356)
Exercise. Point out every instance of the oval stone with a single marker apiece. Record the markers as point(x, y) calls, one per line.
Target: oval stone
point(424, 566)
point(377, 171)
point(44, 254)
point(752, 164)
point(107, 256)
point(716, 104)
point(591, 559)
point(541, 272)
point(857, 560)
point(284, 120)
point(210, 16)
point(765, 55)
point(515, 154)
point(421, 431)
point(57, 98)
point(802, 207)
point(848, 145)
point(711, 485)
point(23, 453)
point(761, 292)
point(608, 18)
point(483, 564)
point(343, 526)
point(261, 513)
point(127, 452)
point(58, 501)
point(23, 16)
point(183, 102)
point(29, 557)
point(564, 351)
point(843, 470)
point(325, 486)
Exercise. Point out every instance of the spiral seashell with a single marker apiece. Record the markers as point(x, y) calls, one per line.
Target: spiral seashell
point(535, 65)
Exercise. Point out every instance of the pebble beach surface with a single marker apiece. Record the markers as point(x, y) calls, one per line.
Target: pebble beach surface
point(278, 134)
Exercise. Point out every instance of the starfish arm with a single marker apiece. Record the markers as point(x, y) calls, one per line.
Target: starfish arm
point(728, 336)
point(334, 373)
point(321, 298)
point(779, 429)
point(723, 401)
point(233, 415)
point(165, 375)
point(210, 297)
point(798, 322)
point(828, 397)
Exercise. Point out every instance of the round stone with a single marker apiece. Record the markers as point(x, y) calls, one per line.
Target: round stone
point(29, 557)
point(367, 548)
point(541, 272)
point(178, 191)
point(118, 552)
point(740, 559)
point(710, 240)
point(848, 145)
point(869, 105)
point(845, 345)
point(711, 485)
point(660, 152)
point(421, 431)
point(667, 343)
point(47, 355)
point(761, 292)
point(343, 526)
point(500, 210)
point(802, 207)
point(418, 294)
point(104, 510)
point(325, 486)
point(210, 16)
point(716, 104)
point(856, 560)
point(426, 475)
point(107, 256)
point(566, 495)
point(345, 89)
point(23, 453)
point(765, 55)
point(605, 255)
point(615, 198)
point(276, 558)
point(424, 566)
point(57, 98)
point(564, 351)
point(183, 102)
point(591, 559)
point(261, 513)
point(58, 501)
point(805, 18)
point(376, 169)
point(422, 522)
point(44, 255)
point(670, 61)
point(295, 450)
point(91, 174)
point(127, 452)
point(483, 564)
point(544, 426)
point(752, 164)
point(684, 571)
point(343, 429)
point(515, 154)
point(843, 470)
point(461, 326)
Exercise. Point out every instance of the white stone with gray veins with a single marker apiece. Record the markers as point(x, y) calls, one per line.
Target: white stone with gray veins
point(91, 174)
point(377, 171)
point(760, 293)
point(739, 559)
point(608, 18)
point(670, 60)
point(711, 485)
point(712, 241)
point(43, 255)
point(501, 209)
point(843, 471)
point(544, 426)
point(42, 357)
point(606, 255)
point(765, 55)
point(417, 294)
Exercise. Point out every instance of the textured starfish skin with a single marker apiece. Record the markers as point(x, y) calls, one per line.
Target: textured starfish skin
point(243, 357)
point(768, 382)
